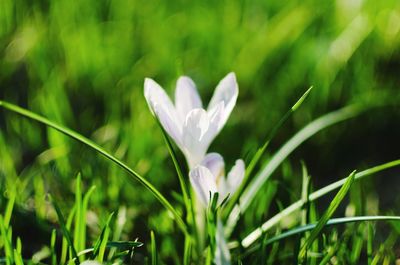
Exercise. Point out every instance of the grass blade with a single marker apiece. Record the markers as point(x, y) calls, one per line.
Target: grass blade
point(184, 187)
point(253, 236)
point(257, 156)
point(327, 215)
point(153, 249)
point(9, 207)
point(82, 220)
point(18, 253)
point(78, 214)
point(124, 244)
point(308, 131)
point(64, 243)
point(187, 254)
point(93, 145)
point(6, 241)
point(53, 247)
point(118, 227)
point(331, 222)
point(370, 239)
point(178, 169)
point(101, 243)
point(65, 231)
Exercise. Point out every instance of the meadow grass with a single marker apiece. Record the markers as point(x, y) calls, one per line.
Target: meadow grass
point(74, 73)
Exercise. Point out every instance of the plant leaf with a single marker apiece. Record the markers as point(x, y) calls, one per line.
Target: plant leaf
point(327, 214)
point(65, 231)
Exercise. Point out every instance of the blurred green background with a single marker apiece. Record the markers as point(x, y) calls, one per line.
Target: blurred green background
point(83, 64)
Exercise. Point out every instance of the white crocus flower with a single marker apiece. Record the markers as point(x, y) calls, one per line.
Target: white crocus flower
point(190, 125)
point(209, 178)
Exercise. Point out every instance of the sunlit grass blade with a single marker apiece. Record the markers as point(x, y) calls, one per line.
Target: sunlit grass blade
point(82, 220)
point(357, 244)
point(64, 243)
point(10, 206)
point(93, 145)
point(187, 254)
point(274, 249)
point(18, 258)
point(118, 227)
point(305, 190)
point(257, 156)
point(384, 250)
point(18, 253)
point(124, 245)
point(308, 131)
point(253, 236)
point(53, 247)
point(65, 231)
point(153, 249)
point(331, 252)
point(8, 249)
point(43, 254)
point(370, 239)
point(79, 219)
point(101, 243)
point(331, 222)
point(327, 215)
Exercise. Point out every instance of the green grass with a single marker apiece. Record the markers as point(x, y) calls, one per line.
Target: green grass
point(75, 72)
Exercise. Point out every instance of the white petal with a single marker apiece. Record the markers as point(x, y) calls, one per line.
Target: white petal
point(214, 117)
point(155, 94)
point(169, 124)
point(235, 176)
point(223, 189)
point(227, 91)
point(222, 255)
point(161, 106)
point(203, 183)
point(194, 128)
point(186, 96)
point(215, 163)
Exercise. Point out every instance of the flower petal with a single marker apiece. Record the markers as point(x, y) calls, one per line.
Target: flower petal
point(235, 176)
point(227, 91)
point(161, 106)
point(186, 97)
point(203, 183)
point(155, 94)
point(196, 125)
point(215, 163)
point(169, 124)
point(214, 117)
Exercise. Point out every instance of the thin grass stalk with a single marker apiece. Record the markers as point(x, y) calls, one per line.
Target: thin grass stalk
point(253, 236)
point(93, 145)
